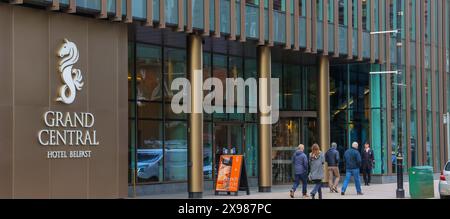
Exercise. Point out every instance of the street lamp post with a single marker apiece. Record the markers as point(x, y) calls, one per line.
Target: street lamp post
point(400, 190)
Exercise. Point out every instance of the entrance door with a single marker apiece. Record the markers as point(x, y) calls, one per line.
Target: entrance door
point(288, 133)
point(228, 139)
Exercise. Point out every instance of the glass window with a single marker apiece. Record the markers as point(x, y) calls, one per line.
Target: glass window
point(413, 19)
point(207, 73)
point(278, 5)
point(302, 4)
point(343, 12)
point(150, 151)
point(131, 151)
point(251, 149)
point(251, 2)
point(207, 150)
point(131, 77)
point(175, 151)
point(429, 131)
point(277, 72)
point(149, 81)
point(319, 9)
point(174, 67)
point(366, 14)
point(310, 78)
point(220, 72)
point(89, 4)
point(413, 118)
point(330, 11)
point(235, 71)
point(292, 87)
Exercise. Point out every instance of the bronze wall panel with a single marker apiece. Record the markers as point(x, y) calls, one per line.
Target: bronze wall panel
point(360, 31)
point(31, 169)
point(6, 115)
point(28, 57)
point(103, 62)
point(206, 20)
point(325, 28)
point(6, 111)
point(440, 84)
point(314, 26)
point(336, 29)
point(287, 24)
point(102, 168)
point(408, 80)
point(388, 86)
point(381, 37)
point(372, 29)
point(445, 73)
point(5, 57)
point(424, 81)
point(58, 30)
point(217, 18)
point(418, 85)
point(149, 10)
point(349, 30)
point(434, 134)
point(122, 114)
point(308, 28)
point(31, 176)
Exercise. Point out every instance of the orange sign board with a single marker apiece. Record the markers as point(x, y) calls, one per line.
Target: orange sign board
point(229, 173)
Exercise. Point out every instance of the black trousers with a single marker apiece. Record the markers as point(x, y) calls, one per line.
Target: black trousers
point(367, 174)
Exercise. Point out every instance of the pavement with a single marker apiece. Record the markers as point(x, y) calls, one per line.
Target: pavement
point(374, 191)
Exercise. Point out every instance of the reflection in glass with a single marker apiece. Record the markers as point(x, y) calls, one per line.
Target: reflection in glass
point(220, 71)
point(288, 133)
point(149, 152)
point(175, 151)
point(148, 73)
point(174, 67)
point(286, 138)
point(251, 149)
point(207, 150)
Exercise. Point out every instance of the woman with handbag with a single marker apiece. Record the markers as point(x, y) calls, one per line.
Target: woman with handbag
point(316, 175)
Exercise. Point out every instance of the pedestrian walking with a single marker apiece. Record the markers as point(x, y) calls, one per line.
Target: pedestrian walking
point(332, 158)
point(300, 162)
point(352, 159)
point(367, 163)
point(316, 175)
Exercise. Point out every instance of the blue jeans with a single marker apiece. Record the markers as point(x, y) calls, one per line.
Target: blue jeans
point(298, 178)
point(348, 175)
point(317, 188)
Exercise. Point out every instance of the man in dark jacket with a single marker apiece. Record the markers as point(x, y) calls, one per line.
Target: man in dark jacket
point(367, 163)
point(332, 159)
point(352, 159)
point(300, 162)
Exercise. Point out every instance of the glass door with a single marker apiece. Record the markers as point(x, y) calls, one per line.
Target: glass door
point(228, 139)
point(287, 134)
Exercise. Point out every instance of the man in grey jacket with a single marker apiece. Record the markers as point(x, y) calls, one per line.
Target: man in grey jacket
point(300, 162)
point(332, 159)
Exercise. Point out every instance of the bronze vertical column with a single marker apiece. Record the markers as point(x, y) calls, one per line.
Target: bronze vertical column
point(195, 157)
point(265, 130)
point(324, 106)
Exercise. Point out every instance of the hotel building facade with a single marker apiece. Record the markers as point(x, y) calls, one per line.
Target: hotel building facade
point(85, 90)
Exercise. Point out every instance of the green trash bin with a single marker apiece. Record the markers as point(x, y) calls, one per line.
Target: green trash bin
point(421, 182)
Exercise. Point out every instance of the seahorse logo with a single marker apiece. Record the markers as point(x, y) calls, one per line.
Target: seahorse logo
point(71, 77)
